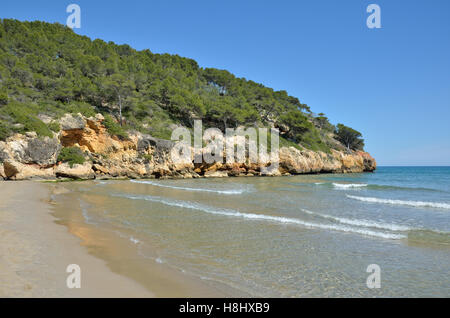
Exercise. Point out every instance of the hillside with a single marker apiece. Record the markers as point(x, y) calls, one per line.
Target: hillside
point(65, 98)
point(46, 70)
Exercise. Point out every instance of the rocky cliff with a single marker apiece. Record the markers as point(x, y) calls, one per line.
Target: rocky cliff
point(25, 157)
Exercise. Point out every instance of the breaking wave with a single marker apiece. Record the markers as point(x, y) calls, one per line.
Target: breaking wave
point(236, 191)
point(349, 185)
point(262, 217)
point(362, 223)
point(438, 205)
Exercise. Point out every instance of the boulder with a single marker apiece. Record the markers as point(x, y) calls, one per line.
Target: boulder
point(18, 171)
point(216, 174)
point(72, 122)
point(100, 169)
point(83, 171)
point(43, 152)
point(30, 150)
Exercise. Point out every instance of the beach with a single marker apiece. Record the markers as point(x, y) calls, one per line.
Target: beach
point(35, 252)
point(299, 236)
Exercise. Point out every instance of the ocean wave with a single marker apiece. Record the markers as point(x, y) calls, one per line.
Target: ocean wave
point(349, 185)
point(344, 186)
point(362, 222)
point(190, 189)
point(438, 205)
point(262, 217)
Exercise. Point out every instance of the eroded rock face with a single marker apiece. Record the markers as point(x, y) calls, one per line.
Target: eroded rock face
point(29, 149)
point(296, 161)
point(143, 156)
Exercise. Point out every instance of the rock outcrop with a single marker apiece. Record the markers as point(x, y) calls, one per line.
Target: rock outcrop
point(77, 171)
point(142, 156)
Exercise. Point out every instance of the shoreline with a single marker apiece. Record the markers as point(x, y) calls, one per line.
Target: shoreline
point(172, 177)
point(36, 250)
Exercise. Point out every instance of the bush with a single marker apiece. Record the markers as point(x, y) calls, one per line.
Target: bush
point(72, 156)
point(25, 116)
point(54, 126)
point(85, 109)
point(5, 132)
point(114, 128)
point(147, 157)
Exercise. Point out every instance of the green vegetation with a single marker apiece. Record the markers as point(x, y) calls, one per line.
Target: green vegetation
point(349, 137)
point(114, 128)
point(18, 117)
point(72, 156)
point(47, 69)
point(54, 126)
point(147, 157)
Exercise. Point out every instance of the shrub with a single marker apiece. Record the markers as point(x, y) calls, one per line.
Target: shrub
point(114, 128)
point(71, 155)
point(54, 126)
point(147, 157)
point(5, 132)
point(24, 115)
point(85, 109)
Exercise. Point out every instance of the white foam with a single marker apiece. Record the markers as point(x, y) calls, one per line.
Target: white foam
point(262, 217)
point(189, 189)
point(349, 185)
point(362, 222)
point(134, 240)
point(438, 205)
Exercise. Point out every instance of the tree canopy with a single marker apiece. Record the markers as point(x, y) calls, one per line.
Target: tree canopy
point(47, 69)
point(349, 137)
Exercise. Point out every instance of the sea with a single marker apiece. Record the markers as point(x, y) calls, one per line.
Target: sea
point(317, 235)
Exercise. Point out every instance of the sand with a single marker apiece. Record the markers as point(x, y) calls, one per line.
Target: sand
point(35, 252)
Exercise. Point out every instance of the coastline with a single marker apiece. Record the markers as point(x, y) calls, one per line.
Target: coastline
point(105, 156)
point(35, 252)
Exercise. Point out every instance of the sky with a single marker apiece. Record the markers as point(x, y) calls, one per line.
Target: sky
point(392, 84)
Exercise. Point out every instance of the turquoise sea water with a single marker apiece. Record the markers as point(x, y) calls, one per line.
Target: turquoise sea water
point(307, 235)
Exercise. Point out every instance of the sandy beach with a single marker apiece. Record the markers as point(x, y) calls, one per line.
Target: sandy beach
point(35, 252)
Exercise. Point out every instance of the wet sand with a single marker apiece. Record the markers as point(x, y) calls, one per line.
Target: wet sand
point(35, 250)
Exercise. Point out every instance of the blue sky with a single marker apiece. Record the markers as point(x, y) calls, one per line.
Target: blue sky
point(392, 84)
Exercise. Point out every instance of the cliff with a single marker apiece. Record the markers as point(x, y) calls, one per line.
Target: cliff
point(27, 156)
